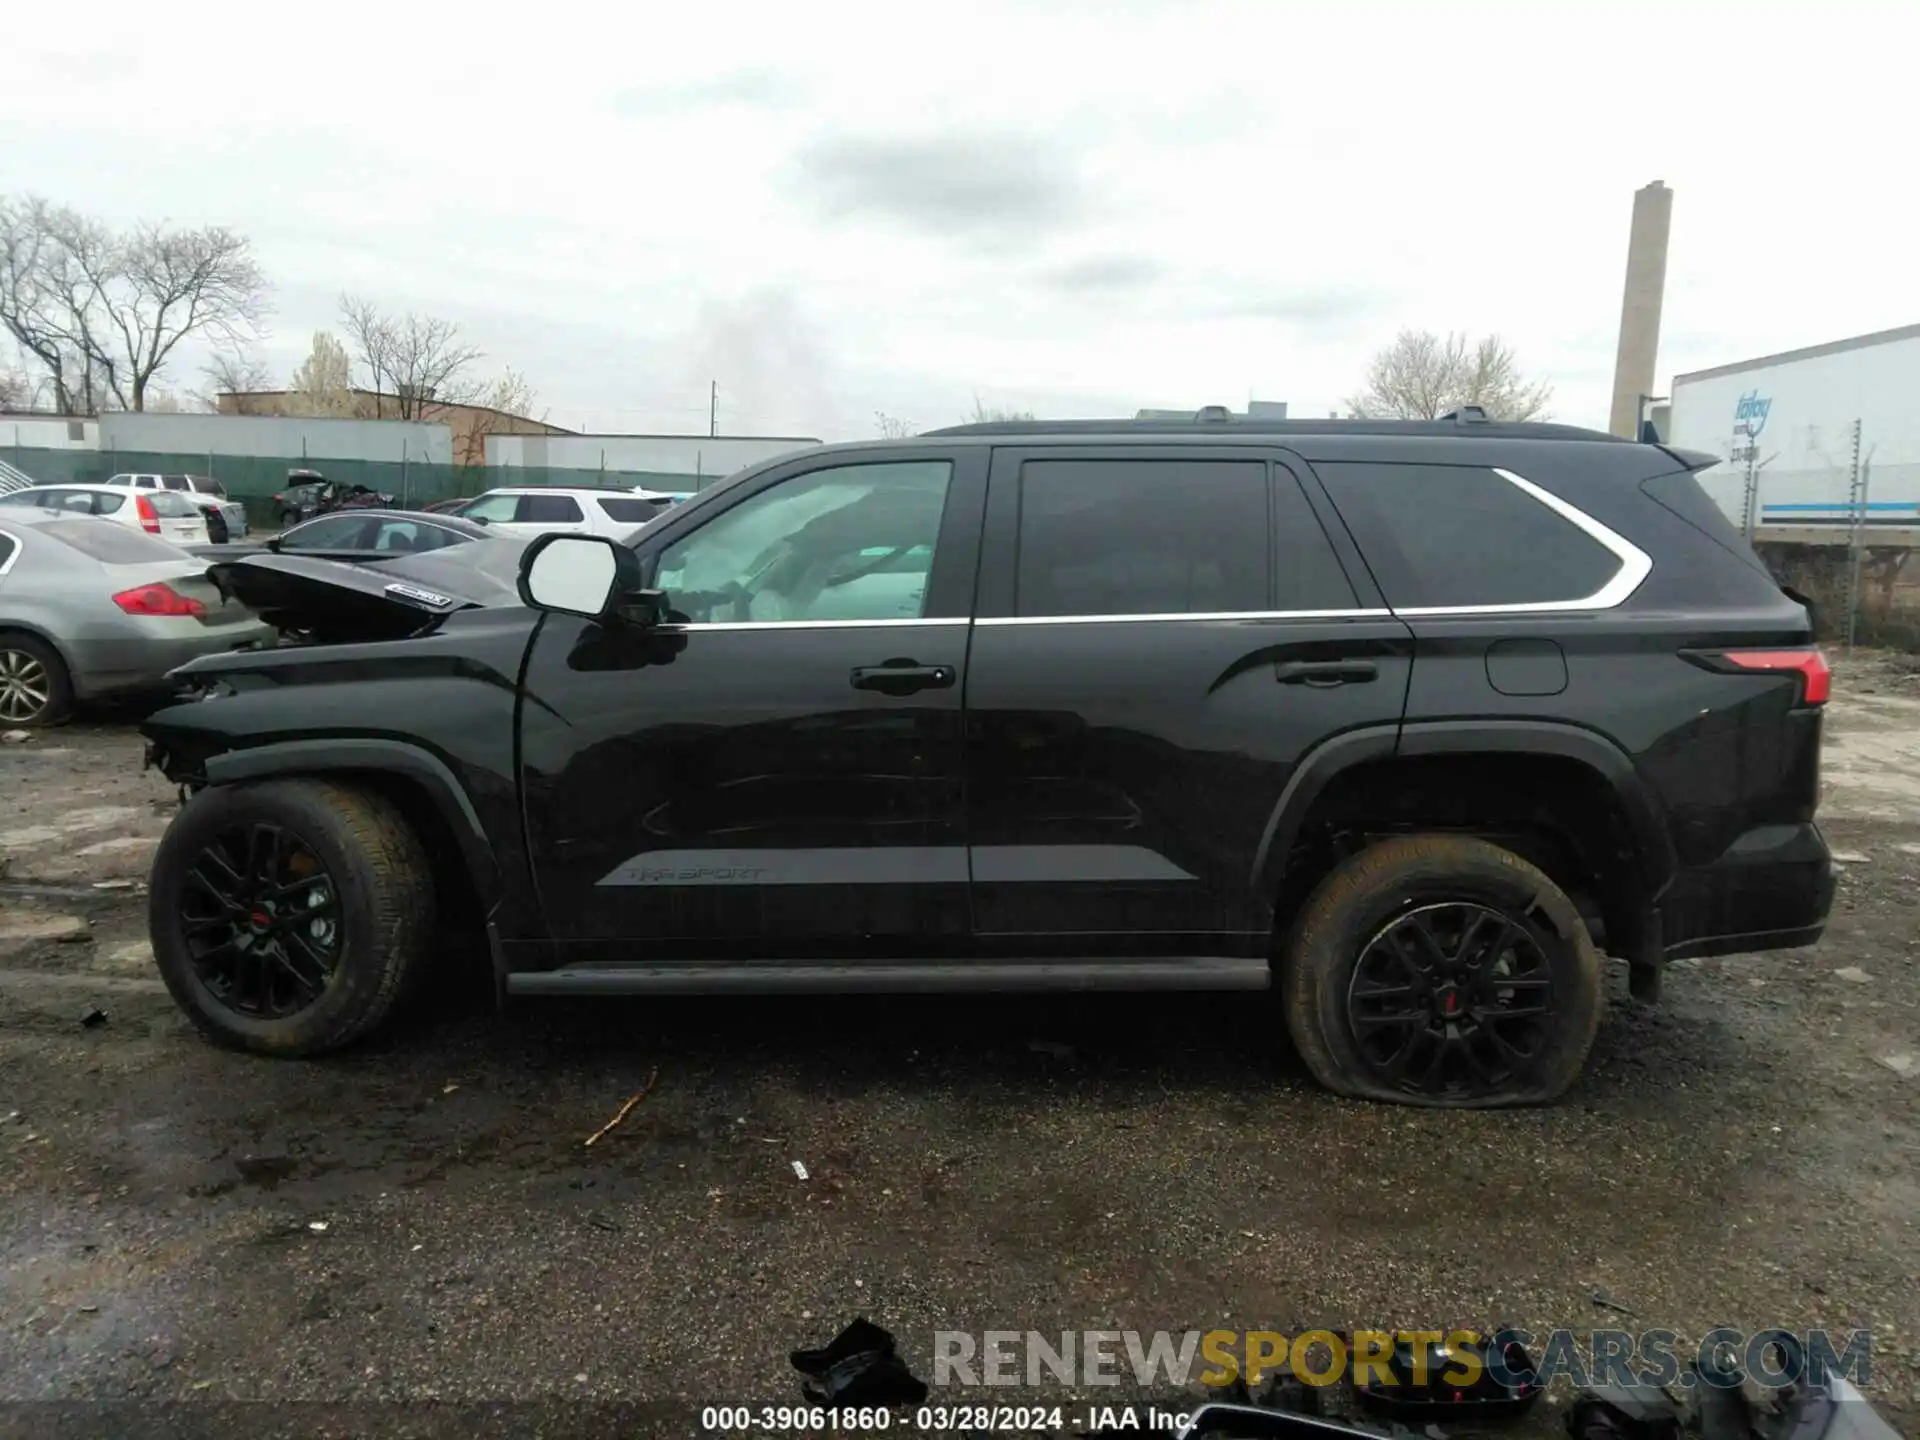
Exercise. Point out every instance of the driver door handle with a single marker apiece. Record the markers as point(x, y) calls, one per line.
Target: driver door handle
point(903, 677)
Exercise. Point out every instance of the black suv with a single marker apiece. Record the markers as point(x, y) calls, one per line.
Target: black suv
point(1405, 721)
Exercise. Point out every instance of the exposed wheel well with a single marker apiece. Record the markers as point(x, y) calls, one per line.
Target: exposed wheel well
point(1555, 812)
point(459, 906)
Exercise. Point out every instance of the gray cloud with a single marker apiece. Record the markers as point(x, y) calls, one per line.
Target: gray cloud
point(988, 189)
point(1105, 274)
point(1316, 307)
point(759, 89)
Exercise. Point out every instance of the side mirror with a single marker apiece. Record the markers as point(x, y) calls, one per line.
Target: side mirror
point(273, 544)
point(577, 574)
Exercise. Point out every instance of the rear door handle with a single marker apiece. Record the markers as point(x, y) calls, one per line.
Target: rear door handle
point(1324, 674)
point(903, 677)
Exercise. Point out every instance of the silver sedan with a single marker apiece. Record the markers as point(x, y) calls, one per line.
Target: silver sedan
point(89, 608)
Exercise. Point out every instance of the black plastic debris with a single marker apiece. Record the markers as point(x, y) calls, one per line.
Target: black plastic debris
point(1624, 1412)
point(1280, 1390)
point(858, 1367)
point(93, 1017)
point(1505, 1386)
point(1214, 1421)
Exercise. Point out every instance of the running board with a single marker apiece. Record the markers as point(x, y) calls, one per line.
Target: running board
point(900, 978)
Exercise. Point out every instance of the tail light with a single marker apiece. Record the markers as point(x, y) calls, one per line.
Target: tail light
point(149, 517)
point(1816, 679)
point(158, 600)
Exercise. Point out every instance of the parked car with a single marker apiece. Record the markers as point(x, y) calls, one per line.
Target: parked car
point(170, 516)
point(1405, 722)
point(355, 533)
point(309, 493)
point(226, 518)
point(323, 597)
point(89, 609)
point(542, 510)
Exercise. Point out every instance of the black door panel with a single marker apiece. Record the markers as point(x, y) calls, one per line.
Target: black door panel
point(736, 786)
point(1123, 766)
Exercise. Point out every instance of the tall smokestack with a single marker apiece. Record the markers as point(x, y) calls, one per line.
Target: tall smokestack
point(1633, 366)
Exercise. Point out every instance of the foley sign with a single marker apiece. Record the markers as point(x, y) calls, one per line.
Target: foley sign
point(1749, 419)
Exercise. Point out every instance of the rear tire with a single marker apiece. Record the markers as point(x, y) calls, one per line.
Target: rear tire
point(307, 952)
point(1442, 970)
point(35, 688)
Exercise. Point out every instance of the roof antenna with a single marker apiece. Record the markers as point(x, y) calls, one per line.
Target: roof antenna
point(1467, 415)
point(1213, 415)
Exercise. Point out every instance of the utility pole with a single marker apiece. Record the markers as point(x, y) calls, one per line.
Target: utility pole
point(713, 410)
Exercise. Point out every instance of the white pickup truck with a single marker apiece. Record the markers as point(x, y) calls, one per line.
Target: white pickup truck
point(226, 519)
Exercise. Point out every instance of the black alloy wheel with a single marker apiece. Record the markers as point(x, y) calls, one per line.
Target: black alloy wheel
point(1441, 970)
point(1451, 1000)
point(261, 917)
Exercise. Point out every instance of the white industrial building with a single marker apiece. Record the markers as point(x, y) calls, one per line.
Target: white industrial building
point(1789, 420)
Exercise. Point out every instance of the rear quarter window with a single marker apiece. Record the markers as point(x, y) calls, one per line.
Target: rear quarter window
point(109, 543)
point(635, 511)
point(1453, 536)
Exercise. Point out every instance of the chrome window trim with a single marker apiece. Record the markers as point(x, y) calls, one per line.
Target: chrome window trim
point(1635, 564)
point(1185, 615)
point(811, 624)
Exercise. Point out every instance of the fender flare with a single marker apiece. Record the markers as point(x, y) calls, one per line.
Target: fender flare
point(294, 758)
point(1340, 753)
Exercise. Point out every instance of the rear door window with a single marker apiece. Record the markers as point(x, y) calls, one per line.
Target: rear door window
point(175, 482)
point(9, 547)
point(335, 532)
point(1462, 536)
point(206, 486)
point(1143, 537)
point(549, 509)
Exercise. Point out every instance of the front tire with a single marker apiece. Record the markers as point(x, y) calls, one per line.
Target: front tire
point(1442, 970)
point(289, 917)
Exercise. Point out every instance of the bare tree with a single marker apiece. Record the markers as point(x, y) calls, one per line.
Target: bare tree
point(995, 415)
point(504, 408)
point(16, 391)
point(415, 362)
point(103, 312)
point(1421, 376)
point(891, 427)
point(233, 370)
point(44, 297)
point(323, 383)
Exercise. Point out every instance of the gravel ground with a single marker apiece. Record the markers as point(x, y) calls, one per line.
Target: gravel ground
point(420, 1222)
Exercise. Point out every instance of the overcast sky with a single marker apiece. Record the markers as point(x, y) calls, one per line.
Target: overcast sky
point(1079, 208)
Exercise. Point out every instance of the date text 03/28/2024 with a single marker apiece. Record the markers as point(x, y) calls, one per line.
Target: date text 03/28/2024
point(962, 1419)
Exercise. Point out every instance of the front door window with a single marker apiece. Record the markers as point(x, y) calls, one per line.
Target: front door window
point(851, 543)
